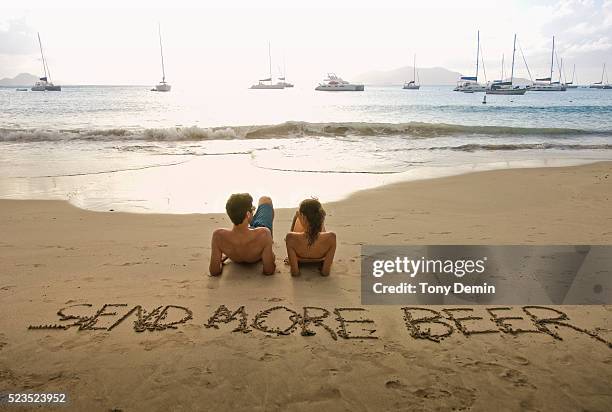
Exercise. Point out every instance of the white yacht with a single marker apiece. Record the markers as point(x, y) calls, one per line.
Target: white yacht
point(469, 84)
point(546, 84)
point(412, 84)
point(162, 86)
point(600, 84)
point(267, 84)
point(506, 87)
point(44, 84)
point(334, 83)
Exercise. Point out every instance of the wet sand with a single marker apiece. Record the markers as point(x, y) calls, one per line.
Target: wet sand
point(180, 355)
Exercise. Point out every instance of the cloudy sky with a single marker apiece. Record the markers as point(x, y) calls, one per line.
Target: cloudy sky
point(117, 43)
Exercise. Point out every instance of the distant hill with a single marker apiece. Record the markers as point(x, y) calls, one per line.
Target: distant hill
point(22, 79)
point(427, 75)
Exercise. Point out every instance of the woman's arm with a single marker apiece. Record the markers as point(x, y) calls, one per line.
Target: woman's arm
point(292, 255)
point(329, 255)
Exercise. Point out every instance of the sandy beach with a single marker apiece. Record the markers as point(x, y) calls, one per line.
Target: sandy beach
point(153, 269)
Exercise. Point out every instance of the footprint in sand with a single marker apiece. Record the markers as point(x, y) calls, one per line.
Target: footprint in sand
point(394, 384)
point(268, 357)
point(516, 359)
point(514, 376)
point(131, 263)
point(452, 397)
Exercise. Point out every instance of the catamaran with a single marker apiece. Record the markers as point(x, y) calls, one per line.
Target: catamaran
point(412, 84)
point(44, 84)
point(162, 86)
point(335, 83)
point(283, 78)
point(503, 87)
point(469, 84)
point(265, 84)
point(546, 84)
point(600, 84)
point(571, 85)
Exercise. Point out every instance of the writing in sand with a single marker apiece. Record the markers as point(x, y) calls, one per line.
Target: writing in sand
point(344, 323)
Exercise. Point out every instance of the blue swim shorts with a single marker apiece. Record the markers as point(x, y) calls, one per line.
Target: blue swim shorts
point(263, 216)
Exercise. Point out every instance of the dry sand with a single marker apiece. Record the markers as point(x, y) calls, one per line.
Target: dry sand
point(53, 255)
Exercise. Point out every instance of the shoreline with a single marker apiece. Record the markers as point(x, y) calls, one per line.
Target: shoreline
point(170, 188)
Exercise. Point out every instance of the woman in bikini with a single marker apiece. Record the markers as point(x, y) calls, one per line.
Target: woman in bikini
point(308, 241)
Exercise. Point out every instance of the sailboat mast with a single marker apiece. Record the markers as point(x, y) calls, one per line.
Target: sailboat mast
point(414, 69)
point(270, 61)
point(477, 54)
point(513, 53)
point(561, 74)
point(573, 73)
point(602, 73)
point(552, 59)
point(161, 51)
point(42, 55)
point(502, 74)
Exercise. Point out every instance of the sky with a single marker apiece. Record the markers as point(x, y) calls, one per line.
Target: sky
point(116, 42)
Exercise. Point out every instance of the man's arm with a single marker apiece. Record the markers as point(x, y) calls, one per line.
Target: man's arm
point(216, 262)
point(292, 256)
point(267, 256)
point(329, 256)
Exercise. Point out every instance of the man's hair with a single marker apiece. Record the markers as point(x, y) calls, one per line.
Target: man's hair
point(237, 207)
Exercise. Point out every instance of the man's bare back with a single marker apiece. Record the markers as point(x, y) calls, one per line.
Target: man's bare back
point(242, 243)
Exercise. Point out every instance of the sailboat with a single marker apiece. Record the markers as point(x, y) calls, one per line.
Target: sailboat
point(412, 85)
point(469, 84)
point(600, 84)
point(44, 83)
point(503, 87)
point(283, 78)
point(546, 84)
point(571, 85)
point(162, 86)
point(267, 83)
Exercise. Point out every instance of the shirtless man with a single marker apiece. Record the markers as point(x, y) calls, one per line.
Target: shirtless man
point(250, 240)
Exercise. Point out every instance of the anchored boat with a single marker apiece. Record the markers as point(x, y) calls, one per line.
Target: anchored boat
point(335, 83)
point(44, 84)
point(412, 84)
point(469, 84)
point(162, 86)
point(503, 87)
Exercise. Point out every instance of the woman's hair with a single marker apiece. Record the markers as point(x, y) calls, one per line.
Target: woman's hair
point(315, 215)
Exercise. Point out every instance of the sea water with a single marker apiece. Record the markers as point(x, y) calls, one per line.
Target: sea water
point(127, 148)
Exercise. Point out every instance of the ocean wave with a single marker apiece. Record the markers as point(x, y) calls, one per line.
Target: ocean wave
point(523, 146)
point(414, 130)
